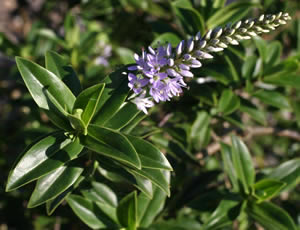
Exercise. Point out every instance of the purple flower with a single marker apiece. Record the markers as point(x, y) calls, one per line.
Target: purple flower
point(136, 84)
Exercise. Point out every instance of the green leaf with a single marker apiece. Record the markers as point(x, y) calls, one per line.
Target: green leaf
point(229, 102)
point(227, 211)
point(248, 67)
point(149, 208)
point(243, 165)
point(54, 183)
point(43, 86)
point(267, 188)
point(51, 205)
point(156, 176)
point(287, 172)
point(284, 78)
point(111, 144)
point(228, 166)
point(254, 112)
point(119, 174)
point(200, 130)
point(127, 211)
point(87, 102)
point(262, 48)
point(273, 98)
point(270, 216)
point(42, 157)
point(89, 212)
point(166, 38)
point(123, 117)
point(149, 155)
point(232, 12)
point(76, 122)
point(58, 65)
point(274, 53)
point(114, 98)
point(190, 18)
point(101, 193)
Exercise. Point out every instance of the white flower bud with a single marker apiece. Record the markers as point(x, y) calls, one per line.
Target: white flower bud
point(179, 48)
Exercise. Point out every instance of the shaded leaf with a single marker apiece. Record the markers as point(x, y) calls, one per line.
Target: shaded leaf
point(267, 188)
point(127, 211)
point(42, 157)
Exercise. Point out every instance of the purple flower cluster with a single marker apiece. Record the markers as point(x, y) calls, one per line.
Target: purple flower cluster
point(159, 73)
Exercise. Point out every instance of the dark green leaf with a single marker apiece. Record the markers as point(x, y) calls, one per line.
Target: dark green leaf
point(229, 102)
point(87, 102)
point(273, 98)
point(51, 205)
point(190, 18)
point(227, 211)
point(43, 86)
point(114, 98)
point(149, 208)
point(127, 211)
point(101, 193)
point(274, 53)
point(288, 172)
point(248, 67)
point(89, 212)
point(43, 157)
point(123, 117)
point(61, 68)
point(232, 12)
point(243, 165)
point(149, 155)
point(284, 78)
point(156, 176)
point(54, 183)
point(267, 188)
point(111, 144)
point(200, 130)
point(228, 166)
point(271, 216)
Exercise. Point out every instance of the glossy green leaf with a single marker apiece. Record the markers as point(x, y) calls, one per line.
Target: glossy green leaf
point(51, 205)
point(287, 172)
point(43, 86)
point(133, 123)
point(200, 131)
point(232, 12)
point(267, 188)
point(273, 98)
point(270, 216)
point(148, 209)
point(166, 38)
point(111, 144)
point(101, 193)
point(232, 69)
point(42, 157)
point(149, 155)
point(54, 183)
point(89, 212)
point(87, 102)
point(229, 102)
point(58, 65)
point(227, 211)
point(123, 117)
point(118, 174)
point(127, 211)
point(114, 98)
point(243, 165)
point(77, 124)
point(228, 166)
point(156, 176)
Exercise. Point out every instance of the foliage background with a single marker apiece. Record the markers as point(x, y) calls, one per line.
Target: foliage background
point(102, 35)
